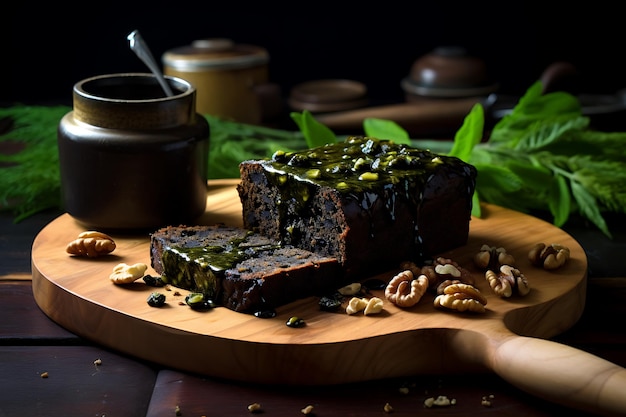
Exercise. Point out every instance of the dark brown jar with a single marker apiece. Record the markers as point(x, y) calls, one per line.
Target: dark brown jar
point(132, 158)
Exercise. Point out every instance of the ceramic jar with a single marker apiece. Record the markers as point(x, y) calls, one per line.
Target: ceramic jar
point(130, 157)
point(229, 77)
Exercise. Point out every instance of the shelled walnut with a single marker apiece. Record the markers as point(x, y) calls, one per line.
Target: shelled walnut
point(405, 289)
point(461, 297)
point(355, 305)
point(507, 282)
point(442, 270)
point(447, 269)
point(551, 256)
point(492, 257)
point(91, 244)
point(374, 306)
point(443, 284)
point(127, 274)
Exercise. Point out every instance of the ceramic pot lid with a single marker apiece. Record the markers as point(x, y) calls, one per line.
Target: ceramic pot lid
point(215, 54)
point(448, 72)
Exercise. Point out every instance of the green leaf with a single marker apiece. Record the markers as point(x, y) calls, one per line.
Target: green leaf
point(476, 210)
point(315, 133)
point(534, 176)
point(469, 134)
point(560, 201)
point(533, 108)
point(434, 145)
point(601, 145)
point(545, 133)
point(588, 207)
point(498, 177)
point(497, 197)
point(604, 179)
point(386, 129)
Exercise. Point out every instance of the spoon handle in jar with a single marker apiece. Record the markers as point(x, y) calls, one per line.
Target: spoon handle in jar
point(140, 48)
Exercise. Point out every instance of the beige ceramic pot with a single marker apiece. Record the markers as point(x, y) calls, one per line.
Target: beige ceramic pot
point(130, 157)
point(226, 75)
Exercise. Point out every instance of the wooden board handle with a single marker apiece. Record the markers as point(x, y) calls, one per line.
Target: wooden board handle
point(562, 374)
point(549, 370)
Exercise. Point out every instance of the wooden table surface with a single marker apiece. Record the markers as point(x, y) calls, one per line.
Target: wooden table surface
point(31, 344)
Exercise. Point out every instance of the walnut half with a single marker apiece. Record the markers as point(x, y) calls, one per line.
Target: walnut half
point(491, 257)
point(91, 244)
point(405, 290)
point(507, 282)
point(127, 274)
point(548, 256)
point(444, 269)
point(461, 297)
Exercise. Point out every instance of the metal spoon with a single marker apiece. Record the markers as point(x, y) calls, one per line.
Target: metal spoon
point(140, 48)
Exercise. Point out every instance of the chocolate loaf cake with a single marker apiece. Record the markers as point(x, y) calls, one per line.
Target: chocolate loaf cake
point(239, 269)
point(369, 203)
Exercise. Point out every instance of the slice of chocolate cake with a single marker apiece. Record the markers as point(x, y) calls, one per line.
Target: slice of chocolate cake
point(239, 269)
point(369, 203)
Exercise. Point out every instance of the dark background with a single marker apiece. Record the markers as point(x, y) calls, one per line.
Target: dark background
point(48, 47)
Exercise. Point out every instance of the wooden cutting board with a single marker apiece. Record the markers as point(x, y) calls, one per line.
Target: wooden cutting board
point(332, 348)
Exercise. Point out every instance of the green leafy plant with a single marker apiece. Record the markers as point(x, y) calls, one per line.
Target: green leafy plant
point(29, 178)
point(543, 156)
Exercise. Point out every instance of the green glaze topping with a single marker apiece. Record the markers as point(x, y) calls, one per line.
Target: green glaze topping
point(200, 268)
point(358, 164)
point(362, 168)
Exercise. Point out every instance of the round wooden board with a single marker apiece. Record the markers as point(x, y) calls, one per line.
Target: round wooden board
point(333, 347)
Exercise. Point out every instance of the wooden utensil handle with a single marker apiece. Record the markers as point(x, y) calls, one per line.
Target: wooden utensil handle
point(419, 118)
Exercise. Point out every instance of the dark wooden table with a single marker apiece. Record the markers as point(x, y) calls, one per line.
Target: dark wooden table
point(32, 346)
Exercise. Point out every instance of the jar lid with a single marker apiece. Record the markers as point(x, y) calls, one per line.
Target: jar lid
point(212, 54)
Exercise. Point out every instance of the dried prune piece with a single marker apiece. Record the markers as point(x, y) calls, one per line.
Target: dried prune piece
point(330, 303)
point(156, 299)
point(153, 281)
